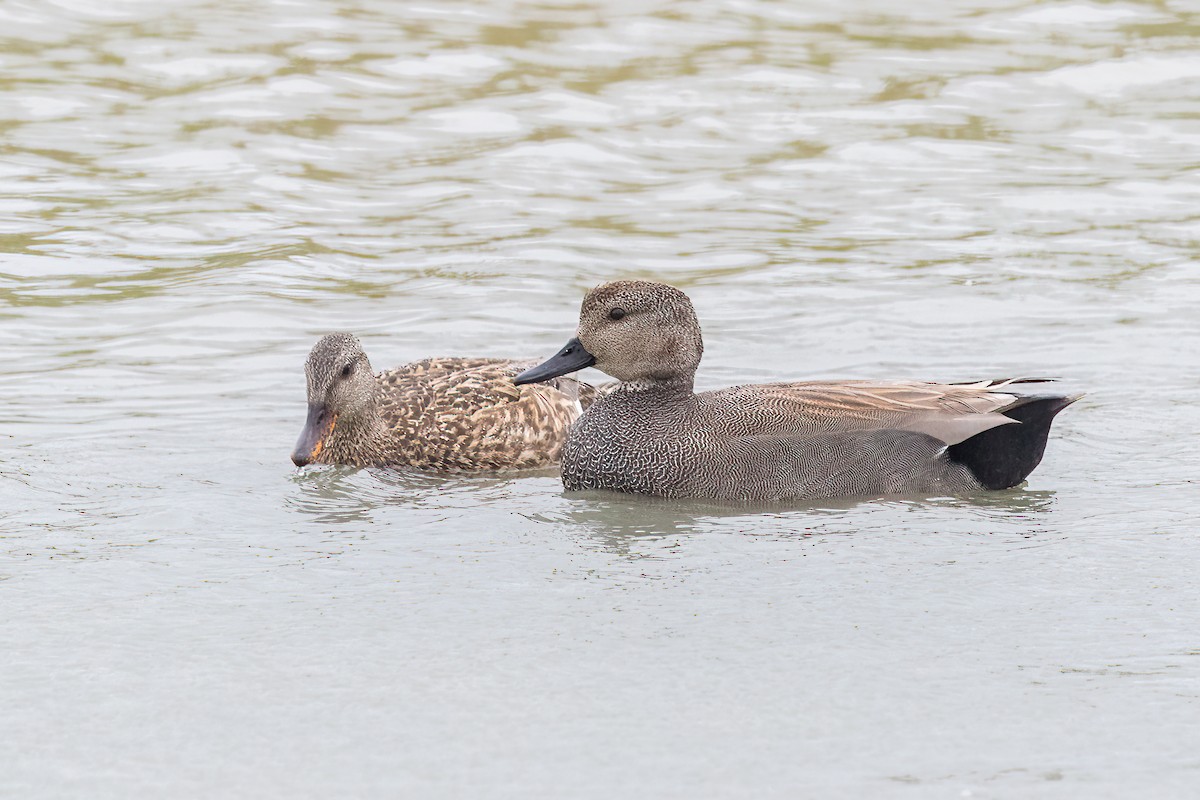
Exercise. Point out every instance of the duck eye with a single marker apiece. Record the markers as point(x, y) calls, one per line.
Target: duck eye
point(346, 370)
point(616, 313)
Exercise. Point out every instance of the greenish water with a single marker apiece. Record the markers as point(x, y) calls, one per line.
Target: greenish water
point(192, 192)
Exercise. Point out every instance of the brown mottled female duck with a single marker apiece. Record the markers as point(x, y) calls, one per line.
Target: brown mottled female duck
point(783, 441)
point(440, 414)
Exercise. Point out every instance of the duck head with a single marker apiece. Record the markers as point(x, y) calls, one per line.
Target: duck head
point(341, 389)
point(636, 331)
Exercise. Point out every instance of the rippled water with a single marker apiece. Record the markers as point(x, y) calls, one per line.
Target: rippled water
point(192, 192)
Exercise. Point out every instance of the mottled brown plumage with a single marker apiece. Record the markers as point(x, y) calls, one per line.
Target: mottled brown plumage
point(654, 435)
point(440, 414)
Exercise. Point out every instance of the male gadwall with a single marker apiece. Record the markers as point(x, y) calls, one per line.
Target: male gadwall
point(441, 414)
point(653, 435)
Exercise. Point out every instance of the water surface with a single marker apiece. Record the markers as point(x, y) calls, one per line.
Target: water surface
point(192, 192)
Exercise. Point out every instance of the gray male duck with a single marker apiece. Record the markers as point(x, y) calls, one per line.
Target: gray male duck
point(652, 434)
point(438, 414)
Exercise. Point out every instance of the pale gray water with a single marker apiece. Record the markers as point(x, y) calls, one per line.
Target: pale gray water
point(192, 192)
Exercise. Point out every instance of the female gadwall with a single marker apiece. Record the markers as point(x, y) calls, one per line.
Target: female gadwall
point(442, 414)
point(653, 435)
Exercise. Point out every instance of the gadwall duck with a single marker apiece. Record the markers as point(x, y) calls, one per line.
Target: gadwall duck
point(785, 441)
point(440, 414)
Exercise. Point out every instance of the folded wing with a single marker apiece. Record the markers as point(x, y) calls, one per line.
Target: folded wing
point(949, 412)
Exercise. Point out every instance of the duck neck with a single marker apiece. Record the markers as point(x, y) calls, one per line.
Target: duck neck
point(676, 386)
point(358, 438)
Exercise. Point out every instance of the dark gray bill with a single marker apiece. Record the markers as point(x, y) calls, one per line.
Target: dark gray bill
point(312, 438)
point(570, 358)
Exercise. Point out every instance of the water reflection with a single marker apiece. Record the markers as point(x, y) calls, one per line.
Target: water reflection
point(620, 524)
point(346, 495)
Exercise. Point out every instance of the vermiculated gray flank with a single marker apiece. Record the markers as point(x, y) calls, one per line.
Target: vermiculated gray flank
point(653, 435)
